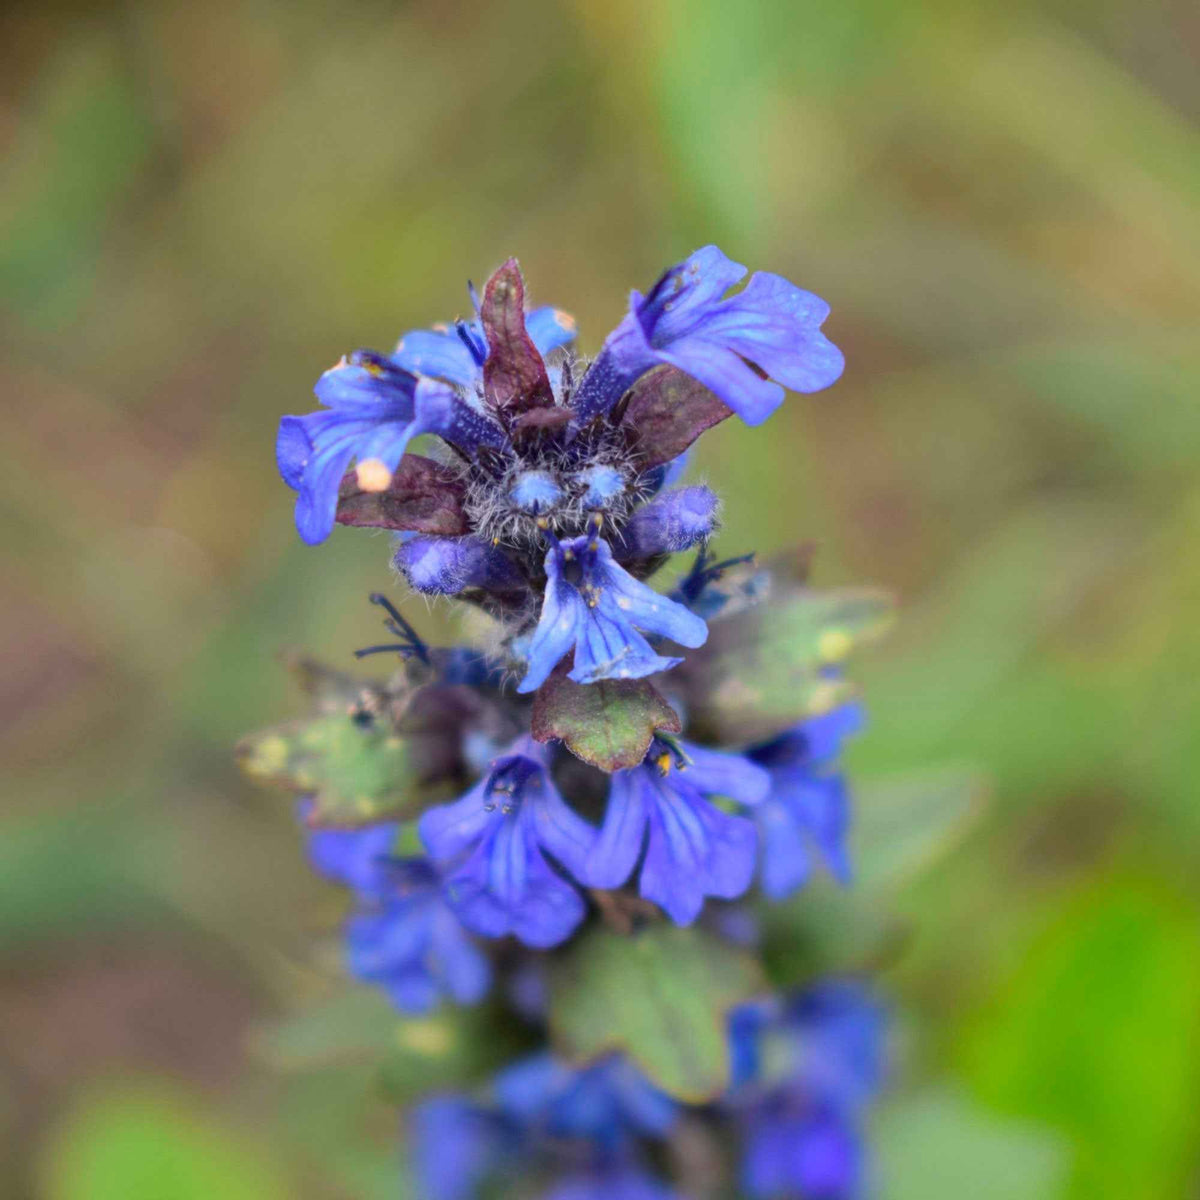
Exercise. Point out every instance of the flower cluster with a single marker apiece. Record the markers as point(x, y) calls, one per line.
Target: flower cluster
point(805, 1066)
point(605, 757)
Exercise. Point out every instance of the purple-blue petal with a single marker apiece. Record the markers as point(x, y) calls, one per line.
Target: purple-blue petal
point(619, 844)
point(445, 566)
point(674, 521)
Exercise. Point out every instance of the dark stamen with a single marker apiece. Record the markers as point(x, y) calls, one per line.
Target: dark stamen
point(400, 627)
point(402, 649)
point(478, 353)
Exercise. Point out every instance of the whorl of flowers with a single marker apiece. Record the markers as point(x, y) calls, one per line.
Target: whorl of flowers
point(608, 754)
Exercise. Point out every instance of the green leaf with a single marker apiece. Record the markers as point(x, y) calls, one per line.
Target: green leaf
point(151, 1141)
point(902, 826)
point(609, 724)
point(936, 1143)
point(356, 770)
point(661, 996)
point(770, 667)
point(450, 1047)
point(900, 829)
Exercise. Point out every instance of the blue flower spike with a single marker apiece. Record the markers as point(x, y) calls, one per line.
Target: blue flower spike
point(543, 498)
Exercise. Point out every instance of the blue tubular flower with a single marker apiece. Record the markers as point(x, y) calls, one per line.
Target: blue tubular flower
point(674, 521)
point(596, 608)
point(815, 1156)
point(355, 858)
point(684, 322)
point(443, 566)
point(607, 1103)
point(456, 1145)
point(804, 1072)
point(694, 849)
point(413, 946)
point(457, 354)
point(491, 844)
point(809, 801)
point(621, 1181)
point(373, 410)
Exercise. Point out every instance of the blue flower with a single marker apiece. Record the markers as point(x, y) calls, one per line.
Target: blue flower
point(491, 845)
point(804, 1070)
point(686, 322)
point(673, 521)
point(597, 608)
point(694, 849)
point(445, 566)
point(402, 936)
point(355, 858)
point(619, 1181)
point(607, 1103)
point(373, 409)
point(814, 1155)
point(456, 1145)
point(808, 802)
point(456, 354)
point(412, 945)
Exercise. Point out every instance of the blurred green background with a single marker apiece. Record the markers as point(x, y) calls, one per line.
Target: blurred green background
point(204, 205)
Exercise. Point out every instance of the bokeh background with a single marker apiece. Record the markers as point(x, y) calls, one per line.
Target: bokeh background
point(204, 205)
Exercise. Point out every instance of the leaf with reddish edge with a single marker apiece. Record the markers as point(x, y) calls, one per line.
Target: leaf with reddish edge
point(666, 412)
point(514, 375)
point(609, 724)
point(423, 496)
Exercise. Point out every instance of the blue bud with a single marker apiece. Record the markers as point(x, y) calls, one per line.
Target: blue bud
point(674, 521)
point(602, 485)
point(446, 566)
point(535, 491)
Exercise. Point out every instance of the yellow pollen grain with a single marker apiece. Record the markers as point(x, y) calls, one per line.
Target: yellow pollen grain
point(430, 1037)
point(270, 755)
point(834, 644)
point(564, 320)
point(373, 475)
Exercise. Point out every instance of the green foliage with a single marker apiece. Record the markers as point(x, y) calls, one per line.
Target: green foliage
point(356, 772)
point(609, 724)
point(936, 1143)
point(902, 828)
point(660, 995)
point(1095, 1034)
point(768, 668)
point(450, 1047)
point(149, 1141)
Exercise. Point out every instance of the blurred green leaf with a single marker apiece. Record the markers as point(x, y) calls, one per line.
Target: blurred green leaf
point(150, 1141)
point(769, 667)
point(936, 1143)
point(903, 826)
point(357, 1022)
point(414, 1053)
point(660, 995)
point(356, 771)
point(1097, 1034)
